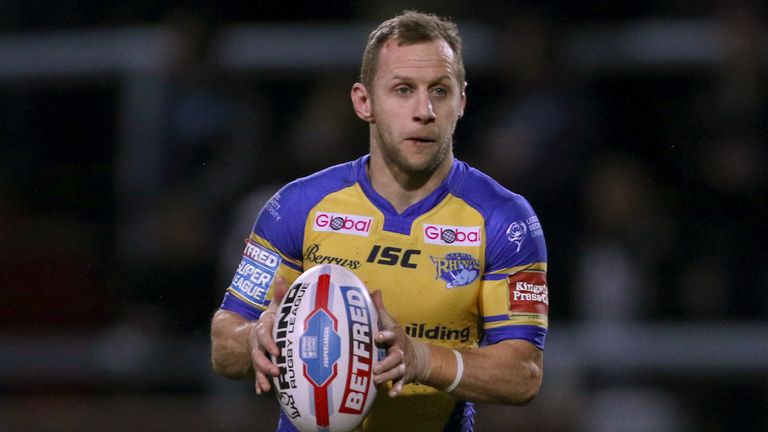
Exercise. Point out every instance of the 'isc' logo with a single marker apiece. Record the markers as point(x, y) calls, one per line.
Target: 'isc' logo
point(392, 256)
point(452, 235)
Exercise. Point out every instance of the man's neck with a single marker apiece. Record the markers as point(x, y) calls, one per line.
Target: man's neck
point(401, 189)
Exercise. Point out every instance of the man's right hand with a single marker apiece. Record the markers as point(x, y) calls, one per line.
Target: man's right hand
point(261, 342)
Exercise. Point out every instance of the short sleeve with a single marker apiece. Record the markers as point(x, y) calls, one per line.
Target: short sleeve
point(272, 250)
point(514, 298)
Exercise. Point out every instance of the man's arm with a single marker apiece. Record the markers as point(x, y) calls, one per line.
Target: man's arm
point(230, 345)
point(508, 372)
point(238, 345)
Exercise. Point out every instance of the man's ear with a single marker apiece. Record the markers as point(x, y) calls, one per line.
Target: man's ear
point(361, 102)
point(463, 100)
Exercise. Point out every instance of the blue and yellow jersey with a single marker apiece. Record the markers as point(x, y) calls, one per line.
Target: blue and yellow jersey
point(464, 267)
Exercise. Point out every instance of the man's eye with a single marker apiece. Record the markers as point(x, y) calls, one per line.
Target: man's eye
point(403, 90)
point(440, 91)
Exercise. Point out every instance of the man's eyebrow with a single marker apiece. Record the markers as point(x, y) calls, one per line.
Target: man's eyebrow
point(443, 78)
point(435, 81)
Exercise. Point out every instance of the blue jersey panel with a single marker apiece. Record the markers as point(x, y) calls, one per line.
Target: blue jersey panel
point(513, 230)
point(282, 219)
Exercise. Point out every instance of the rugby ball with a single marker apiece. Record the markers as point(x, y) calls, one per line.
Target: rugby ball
point(324, 328)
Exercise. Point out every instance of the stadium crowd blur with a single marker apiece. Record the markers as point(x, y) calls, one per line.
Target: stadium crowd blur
point(124, 202)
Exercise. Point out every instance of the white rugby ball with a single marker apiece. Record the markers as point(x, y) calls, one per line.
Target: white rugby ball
point(324, 328)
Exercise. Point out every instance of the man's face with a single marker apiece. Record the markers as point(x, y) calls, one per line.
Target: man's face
point(416, 101)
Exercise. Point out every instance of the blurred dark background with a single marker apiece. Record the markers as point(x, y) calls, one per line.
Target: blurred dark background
point(139, 140)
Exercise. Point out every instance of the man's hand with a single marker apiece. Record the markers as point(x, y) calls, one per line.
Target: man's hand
point(406, 360)
point(261, 342)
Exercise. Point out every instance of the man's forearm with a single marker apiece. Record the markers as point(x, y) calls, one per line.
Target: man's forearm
point(506, 373)
point(230, 349)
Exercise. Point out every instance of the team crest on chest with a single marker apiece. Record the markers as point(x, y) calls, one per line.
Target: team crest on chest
point(456, 269)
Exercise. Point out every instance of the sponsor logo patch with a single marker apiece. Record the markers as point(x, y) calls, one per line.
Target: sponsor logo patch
point(342, 223)
point(255, 273)
point(392, 256)
point(452, 235)
point(528, 292)
point(456, 269)
point(437, 332)
point(312, 254)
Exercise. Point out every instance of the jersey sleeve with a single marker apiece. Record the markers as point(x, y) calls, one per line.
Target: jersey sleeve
point(274, 247)
point(272, 250)
point(514, 299)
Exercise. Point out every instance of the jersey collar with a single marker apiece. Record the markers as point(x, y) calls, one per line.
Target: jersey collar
point(401, 223)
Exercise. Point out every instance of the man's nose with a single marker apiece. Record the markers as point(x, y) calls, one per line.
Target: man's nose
point(424, 112)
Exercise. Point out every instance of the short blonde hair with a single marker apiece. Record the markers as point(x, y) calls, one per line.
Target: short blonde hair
point(409, 28)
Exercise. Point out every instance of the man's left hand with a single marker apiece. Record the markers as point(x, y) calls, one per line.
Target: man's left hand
point(406, 360)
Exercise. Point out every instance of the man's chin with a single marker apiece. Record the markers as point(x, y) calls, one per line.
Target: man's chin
point(421, 166)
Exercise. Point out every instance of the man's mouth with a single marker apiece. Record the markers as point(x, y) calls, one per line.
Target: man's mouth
point(421, 140)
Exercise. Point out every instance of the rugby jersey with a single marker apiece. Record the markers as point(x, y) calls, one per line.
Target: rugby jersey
point(464, 267)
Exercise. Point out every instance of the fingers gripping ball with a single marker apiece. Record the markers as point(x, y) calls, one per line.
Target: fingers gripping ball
point(324, 328)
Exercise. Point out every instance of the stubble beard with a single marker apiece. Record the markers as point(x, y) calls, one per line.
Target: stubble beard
point(395, 157)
